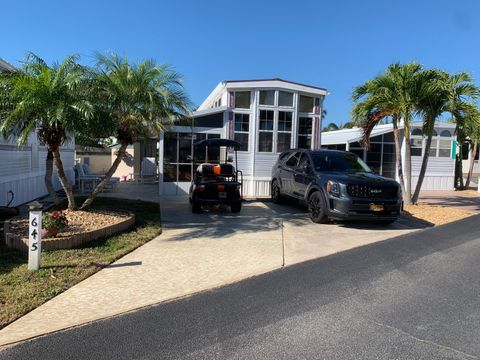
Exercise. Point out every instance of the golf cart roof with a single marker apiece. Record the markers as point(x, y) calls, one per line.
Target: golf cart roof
point(218, 143)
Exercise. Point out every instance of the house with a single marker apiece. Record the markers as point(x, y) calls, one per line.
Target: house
point(440, 174)
point(22, 168)
point(266, 116)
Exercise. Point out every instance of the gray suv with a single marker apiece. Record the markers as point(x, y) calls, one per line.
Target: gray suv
point(335, 185)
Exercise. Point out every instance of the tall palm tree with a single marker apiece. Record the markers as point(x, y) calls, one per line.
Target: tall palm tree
point(392, 94)
point(141, 99)
point(472, 133)
point(432, 101)
point(461, 91)
point(46, 99)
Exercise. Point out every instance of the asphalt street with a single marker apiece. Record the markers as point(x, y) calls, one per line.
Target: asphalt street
point(412, 297)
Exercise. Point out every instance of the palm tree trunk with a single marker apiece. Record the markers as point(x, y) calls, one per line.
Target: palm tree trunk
point(473, 152)
point(423, 169)
point(63, 180)
point(458, 159)
point(398, 156)
point(108, 176)
point(408, 167)
point(48, 177)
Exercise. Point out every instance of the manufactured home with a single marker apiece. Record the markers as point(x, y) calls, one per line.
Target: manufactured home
point(440, 174)
point(266, 116)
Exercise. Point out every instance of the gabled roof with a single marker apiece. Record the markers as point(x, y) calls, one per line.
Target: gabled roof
point(5, 66)
point(355, 134)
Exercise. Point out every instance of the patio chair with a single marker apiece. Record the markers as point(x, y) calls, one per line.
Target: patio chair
point(148, 171)
point(90, 181)
point(113, 182)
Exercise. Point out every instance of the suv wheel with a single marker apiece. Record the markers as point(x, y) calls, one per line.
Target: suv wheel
point(236, 207)
point(196, 207)
point(316, 208)
point(276, 196)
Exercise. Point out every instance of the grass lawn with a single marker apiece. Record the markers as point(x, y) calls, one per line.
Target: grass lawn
point(22, 290)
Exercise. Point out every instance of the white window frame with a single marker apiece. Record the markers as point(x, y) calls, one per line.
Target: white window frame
point(283, 131)
point(243, 132)
point(283, 106)
point(275, 98)
point(305, 115)
point(273, 131)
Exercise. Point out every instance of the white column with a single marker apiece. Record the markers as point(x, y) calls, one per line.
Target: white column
point(35, 236)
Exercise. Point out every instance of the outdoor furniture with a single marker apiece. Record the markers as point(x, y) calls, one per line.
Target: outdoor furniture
point(88, 182)
point(148, 171)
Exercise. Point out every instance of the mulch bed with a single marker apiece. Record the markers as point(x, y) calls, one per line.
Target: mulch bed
point(437, 215)
point(78, 222)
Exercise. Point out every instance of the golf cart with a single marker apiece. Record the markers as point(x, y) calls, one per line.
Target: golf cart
point(216, 183)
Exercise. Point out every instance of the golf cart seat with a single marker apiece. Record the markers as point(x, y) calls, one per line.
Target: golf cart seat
point(214, 170)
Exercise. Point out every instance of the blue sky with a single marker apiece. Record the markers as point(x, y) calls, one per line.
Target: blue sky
point(332, 44)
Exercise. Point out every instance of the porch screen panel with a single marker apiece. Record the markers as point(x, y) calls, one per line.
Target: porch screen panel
point(170, 157)
point(388, 163)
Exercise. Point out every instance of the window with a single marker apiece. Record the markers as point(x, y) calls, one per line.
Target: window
point(305, 104)
point(178, 147)
point(285, 98)
point(304, 132)
point(267, 97)
point(445, 133)
point(242, 99)
point(433, 148)
point(292, 161)
point(303, 160)
point(284, 130)
point(242, 127)
point(417, 132)
point(444, 148)
point(416, 148)
point(265, 131)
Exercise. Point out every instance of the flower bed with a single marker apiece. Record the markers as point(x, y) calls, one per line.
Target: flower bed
point(83, 227)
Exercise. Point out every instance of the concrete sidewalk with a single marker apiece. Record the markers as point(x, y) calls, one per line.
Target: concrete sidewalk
point(197, 252)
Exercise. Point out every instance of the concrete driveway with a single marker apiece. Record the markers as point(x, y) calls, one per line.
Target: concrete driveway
point(197, 252)
point(287, 225)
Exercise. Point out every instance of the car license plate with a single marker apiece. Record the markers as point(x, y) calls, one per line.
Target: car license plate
point(376, 207)
point(222, 195)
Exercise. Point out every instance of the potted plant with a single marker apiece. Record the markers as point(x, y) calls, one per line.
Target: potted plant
point(53, 222)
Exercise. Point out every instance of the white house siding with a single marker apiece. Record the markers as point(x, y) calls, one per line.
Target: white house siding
point(440, 173)
point(22, 170)
point(466, 166)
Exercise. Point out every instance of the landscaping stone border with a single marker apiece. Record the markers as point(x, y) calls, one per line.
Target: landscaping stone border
point(72, 241)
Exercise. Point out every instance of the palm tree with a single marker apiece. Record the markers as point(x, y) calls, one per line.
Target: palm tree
point(46, 99)
point(141, 99)
point(330, 127)
point(472, 132)
point(431, 103)
point(392, 94)
point(461, 90)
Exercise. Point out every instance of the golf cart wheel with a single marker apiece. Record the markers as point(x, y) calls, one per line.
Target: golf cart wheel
point(236, 207)
point(196, 207)
point(316, 208)
point(276, 195)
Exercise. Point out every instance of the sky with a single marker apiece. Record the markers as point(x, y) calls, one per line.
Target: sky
point(332, 44)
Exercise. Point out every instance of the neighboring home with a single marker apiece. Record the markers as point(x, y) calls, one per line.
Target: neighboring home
point(466, 157)
point(22, 168)
point(440, 174)
point(266, 116)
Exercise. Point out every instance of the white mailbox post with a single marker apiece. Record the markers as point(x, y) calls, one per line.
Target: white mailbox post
point(35, 235)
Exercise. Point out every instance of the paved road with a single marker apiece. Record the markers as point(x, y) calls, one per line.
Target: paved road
point(412, 297)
